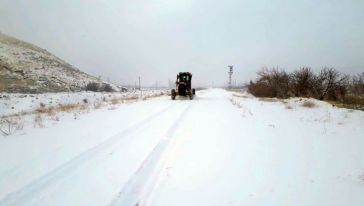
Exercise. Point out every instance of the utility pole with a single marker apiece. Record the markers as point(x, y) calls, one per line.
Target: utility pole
point(140, 88)
point(230, 74)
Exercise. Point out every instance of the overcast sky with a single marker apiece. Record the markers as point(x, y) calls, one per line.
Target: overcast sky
point(155, 39)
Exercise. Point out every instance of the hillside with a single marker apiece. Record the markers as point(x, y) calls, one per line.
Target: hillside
point(26, 68)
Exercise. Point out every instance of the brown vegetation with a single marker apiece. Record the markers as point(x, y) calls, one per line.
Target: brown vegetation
point(328, 85)
point(55, 109)
point(308, 104)
point(8, 125)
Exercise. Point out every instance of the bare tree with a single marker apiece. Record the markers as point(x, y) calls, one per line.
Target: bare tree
point(302, 82)
point(271, 83)
point(331, 84)
point(357, 84)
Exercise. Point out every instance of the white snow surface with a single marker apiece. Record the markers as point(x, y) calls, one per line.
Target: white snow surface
point(15, 103)
point(222, 148)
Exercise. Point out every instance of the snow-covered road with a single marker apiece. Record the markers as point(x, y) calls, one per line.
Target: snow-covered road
point(219, 149)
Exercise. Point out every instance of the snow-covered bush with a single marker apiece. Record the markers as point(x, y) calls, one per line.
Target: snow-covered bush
point(8, 125)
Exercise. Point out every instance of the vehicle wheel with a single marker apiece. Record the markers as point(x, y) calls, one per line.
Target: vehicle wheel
point(173, 94)
point(191, 96)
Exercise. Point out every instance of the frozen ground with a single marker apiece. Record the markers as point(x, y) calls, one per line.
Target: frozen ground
point(221, 148)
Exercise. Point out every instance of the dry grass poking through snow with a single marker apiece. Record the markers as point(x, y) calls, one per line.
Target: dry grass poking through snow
point(116, 101)
point(38, 121)
point(235, 103)
point(60, 108)
point(246, 110)
point(240, 95)
point(11, 124)
point(308, 104)
point(264, 99)
point(289, 107)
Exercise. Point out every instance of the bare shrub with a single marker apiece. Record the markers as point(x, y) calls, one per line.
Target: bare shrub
point(354, 101)
point(92, 86)
point(106, 88)
point(41, 108)
point(97, 105)
point(308, 104)
point(9, 125)
point(328, 84)
point(303, 82)
point(357, 84)
point(130, 99)
point(67, 107)
point(289, 107)
point(271, 83)
point(45, 110)
point(84, 107)
point(260, 89)
point(51, 112)
point(115, 101)
point(38, 121)
point(331, 84)
point(235, 102)
point(59, 108)
point(55, 118)
point(76, 116)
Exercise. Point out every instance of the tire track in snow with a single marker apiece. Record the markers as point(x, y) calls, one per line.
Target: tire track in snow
point(137, 189)
point(24, 196)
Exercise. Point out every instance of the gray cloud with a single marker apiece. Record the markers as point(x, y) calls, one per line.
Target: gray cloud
point(155, 39)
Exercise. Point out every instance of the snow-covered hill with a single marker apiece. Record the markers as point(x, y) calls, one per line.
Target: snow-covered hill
point(26, 68)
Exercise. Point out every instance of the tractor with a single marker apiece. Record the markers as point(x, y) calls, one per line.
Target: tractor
point(183, 86)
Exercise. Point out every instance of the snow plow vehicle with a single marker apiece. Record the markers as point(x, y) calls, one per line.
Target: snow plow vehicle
point(183, 86)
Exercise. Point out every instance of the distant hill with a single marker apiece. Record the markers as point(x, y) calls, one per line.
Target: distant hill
point(26, 68)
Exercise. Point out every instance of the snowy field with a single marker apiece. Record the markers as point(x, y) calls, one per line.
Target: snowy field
point(222, 148)
point(11, 104)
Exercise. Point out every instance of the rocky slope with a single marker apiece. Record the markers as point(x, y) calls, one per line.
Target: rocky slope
point(25, 68)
